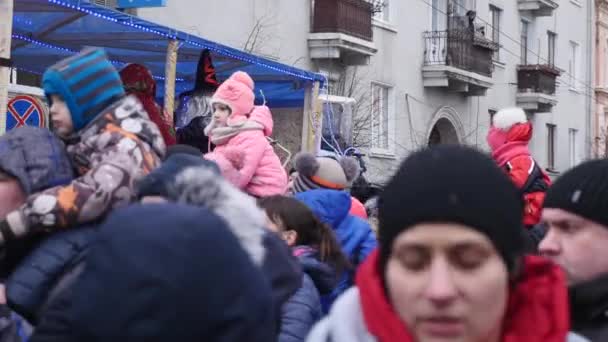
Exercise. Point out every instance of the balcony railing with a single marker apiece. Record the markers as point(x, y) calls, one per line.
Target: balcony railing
point(460, 48)
point(352, 17)
point(537, 79)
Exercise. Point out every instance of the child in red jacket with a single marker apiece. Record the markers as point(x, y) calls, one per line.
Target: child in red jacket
point(508, 138)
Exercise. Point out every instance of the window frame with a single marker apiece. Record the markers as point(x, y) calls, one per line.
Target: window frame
point(551, 148)
point(551, 47)
point(389, 149)
point(574, 65)
point(495, 20)
point(524, 41)
point(572, 146)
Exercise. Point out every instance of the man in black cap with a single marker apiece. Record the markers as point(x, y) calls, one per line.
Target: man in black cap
point(575, 213)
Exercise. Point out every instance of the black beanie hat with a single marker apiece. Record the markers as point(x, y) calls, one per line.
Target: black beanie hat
point(453, 184)
point(582, 191)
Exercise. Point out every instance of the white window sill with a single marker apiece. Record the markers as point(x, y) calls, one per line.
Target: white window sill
point(384, 25)
point(577, 3)
point(382, 154)
point(575, 90)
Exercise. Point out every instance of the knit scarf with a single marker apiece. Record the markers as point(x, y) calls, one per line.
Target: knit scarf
point(221, 135)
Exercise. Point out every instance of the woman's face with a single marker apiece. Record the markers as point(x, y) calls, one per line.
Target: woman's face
point(447, 282)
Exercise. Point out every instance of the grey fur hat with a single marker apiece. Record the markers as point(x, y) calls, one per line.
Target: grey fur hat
point(324, 172)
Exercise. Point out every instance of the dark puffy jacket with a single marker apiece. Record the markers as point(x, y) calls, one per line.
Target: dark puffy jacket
point(304, 309)
point(49, 269)
point(354, 234)
point(589, 309)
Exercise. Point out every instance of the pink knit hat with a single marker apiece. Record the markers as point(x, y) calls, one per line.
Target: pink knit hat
point(237, 93)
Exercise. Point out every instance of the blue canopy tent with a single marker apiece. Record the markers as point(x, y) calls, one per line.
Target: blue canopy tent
point(46, 31)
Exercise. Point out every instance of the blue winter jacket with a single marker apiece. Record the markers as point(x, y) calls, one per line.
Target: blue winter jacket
point(304, 309)
point(354, 234)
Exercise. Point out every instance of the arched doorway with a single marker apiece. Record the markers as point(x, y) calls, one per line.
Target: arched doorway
point(443, 132)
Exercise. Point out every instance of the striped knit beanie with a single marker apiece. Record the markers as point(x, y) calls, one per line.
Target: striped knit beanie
point(582, 191)
point(87, 82)
point(323, 172)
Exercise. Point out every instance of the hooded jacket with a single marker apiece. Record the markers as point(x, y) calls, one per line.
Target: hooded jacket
point(138, 81)
point(143, 282)
point(248, 160)
point(509, 139)
point(304, 309)
point(36, 157)
point(537, 309)
point(110, 154)
point(242, 150)
point(354, 234)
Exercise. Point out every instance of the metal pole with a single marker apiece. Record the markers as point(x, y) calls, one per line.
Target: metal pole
point(6, 29)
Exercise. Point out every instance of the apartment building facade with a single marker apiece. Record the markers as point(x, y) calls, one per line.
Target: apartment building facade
point(600, 122)
point(420, 72)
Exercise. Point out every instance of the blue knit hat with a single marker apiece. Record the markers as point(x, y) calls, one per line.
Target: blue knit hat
point(87, 82)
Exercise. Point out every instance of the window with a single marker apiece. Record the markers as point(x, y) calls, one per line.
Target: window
point(495, 13)
point(550, 146)
point(572, 146)
point(524, 42)
point(382, 10)
point(438, 15)
point(380, 118)
point(573, 65)
point(605, 66)
point(551, 37)
point(461, 7)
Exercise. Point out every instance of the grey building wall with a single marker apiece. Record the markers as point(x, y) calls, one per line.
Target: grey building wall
point(284, 26)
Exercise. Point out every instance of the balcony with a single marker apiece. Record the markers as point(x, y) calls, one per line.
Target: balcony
point(458, 60)
point(536, 86)
point(342, 30)
point(538, 8)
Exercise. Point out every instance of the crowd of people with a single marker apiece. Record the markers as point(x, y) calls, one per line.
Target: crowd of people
point(120, 224)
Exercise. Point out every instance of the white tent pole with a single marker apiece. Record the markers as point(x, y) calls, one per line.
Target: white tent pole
point(170, 71)
point(6, 29)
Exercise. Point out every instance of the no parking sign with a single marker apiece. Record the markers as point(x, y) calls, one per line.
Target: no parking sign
point(24, 110)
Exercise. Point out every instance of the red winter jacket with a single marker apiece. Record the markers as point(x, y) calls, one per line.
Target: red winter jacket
point(510, 150)
point(537, 309)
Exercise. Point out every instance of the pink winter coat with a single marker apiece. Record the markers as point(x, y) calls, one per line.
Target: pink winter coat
point(248, 160)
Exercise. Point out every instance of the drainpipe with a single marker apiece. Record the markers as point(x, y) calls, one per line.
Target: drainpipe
point(591, 89)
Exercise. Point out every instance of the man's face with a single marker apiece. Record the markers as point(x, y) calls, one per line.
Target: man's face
point(11, 196)
point(576, 244)
point(61, 120)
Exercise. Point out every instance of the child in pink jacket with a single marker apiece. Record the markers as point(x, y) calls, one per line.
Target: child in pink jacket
point(238, 130)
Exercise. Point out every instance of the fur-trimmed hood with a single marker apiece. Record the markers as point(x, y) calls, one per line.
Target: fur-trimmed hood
point(201, 186)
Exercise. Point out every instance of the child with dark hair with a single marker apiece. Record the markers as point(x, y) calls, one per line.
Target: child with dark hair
point(320, 255)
